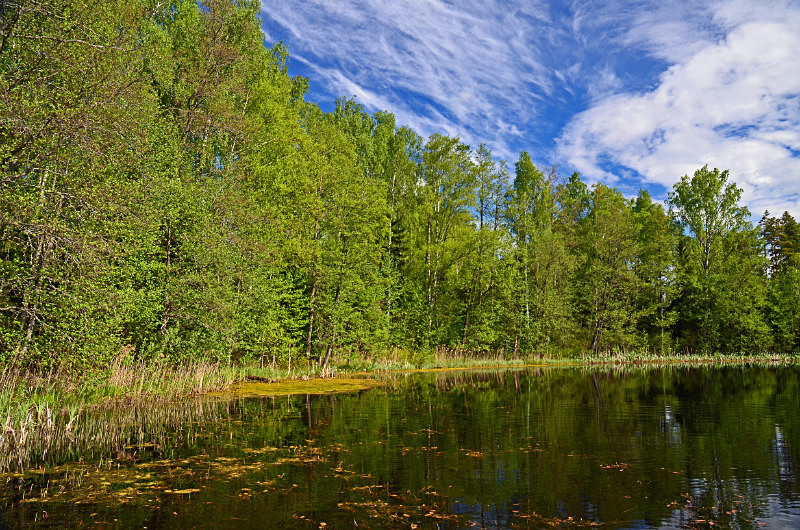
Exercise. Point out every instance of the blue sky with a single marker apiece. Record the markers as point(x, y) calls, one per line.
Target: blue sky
point(631, 93)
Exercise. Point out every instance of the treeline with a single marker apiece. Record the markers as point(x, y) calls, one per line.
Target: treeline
point(168, 193)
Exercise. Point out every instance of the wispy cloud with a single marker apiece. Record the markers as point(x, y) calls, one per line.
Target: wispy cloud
point(477, 67)
point(625, 91)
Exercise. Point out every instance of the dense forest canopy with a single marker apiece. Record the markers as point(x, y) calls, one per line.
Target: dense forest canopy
point(168, 193)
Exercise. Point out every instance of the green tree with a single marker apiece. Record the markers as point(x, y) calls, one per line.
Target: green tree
point(543, 308)
point(487, 246)
point(781, 237)
point(69, 140)
point(606, 284)
point(721, 265)
point(574, 200)
point(442, 227)
point(657, 239)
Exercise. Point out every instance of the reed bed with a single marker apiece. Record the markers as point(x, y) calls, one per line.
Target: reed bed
point(48, 437)
point(58, 413)
point(166, 380)
point(50, 418)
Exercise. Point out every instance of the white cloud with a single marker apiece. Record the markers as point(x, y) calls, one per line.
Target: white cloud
point(664, 87)
point(732, 102)
point(605, 83)
point(673, 31)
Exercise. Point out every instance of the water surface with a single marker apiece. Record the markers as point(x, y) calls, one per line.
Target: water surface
point(638, 448)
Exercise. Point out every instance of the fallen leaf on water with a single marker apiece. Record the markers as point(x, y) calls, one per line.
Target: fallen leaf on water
point(618, 465)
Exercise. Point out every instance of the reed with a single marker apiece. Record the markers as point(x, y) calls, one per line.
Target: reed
point(45, 414)
point(166, 380)
point(35, 412)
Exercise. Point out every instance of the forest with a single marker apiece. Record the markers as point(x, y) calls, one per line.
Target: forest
point(168, 193)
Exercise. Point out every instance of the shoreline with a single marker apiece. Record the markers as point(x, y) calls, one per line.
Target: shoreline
point(171, 381)
point(39, 415)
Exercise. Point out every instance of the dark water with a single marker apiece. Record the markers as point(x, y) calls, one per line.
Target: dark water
point(532, 448)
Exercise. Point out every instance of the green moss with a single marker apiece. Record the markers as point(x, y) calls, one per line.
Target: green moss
point(298, 386)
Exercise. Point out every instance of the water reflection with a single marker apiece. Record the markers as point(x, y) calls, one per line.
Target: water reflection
point(667, 447)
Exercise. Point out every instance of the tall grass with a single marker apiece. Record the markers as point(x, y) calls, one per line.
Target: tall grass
point(159, 379)
point(35, 412)
point(39, 434)
point(43, 414)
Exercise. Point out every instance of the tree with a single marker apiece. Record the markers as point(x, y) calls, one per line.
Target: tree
point(544, 264)
point(781, 237)
point(478, 278)
point(721, 265)
point(574, 200)
point(606, 283)
point(443, 224)
point(69, 139)
point(782, 240)
point(708, 207)
point(657, 239)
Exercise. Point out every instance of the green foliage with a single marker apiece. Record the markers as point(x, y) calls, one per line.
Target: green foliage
point(168, 194)
point(721, 304)
point(654, 266)
point(542, 304)
point(606, 281)
point(781, 240)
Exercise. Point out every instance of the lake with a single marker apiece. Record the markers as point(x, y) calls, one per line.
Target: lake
point(523, 448)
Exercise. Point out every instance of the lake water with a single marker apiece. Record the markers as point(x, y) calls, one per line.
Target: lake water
point(524, 448)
